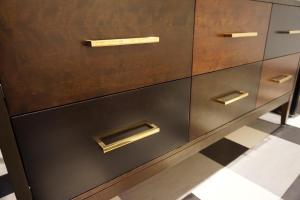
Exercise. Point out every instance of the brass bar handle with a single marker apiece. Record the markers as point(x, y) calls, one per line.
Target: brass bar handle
point(282, 78)
point(290, 32)
point(122, 42)
point(241, 35)
point(231, 98)
point(154, 129)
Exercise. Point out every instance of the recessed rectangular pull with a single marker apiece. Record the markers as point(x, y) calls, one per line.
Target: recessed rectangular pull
point(233, 97)
point(120, 138)
point(290, 32)
point(122, 42)
point(241, 35)
point(282, 78)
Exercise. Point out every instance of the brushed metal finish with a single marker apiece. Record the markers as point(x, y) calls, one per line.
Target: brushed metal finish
point(121, 42)
point(241, 35)
point(282, 78)
point(233, 97)
point(128, 140)
point(291, 32)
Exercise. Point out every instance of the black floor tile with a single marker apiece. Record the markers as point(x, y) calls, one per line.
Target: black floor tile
point(289, 133)
point(224, 151)
point(191, 197)
point(264, 126)
point(293, 193)
point(5, 188)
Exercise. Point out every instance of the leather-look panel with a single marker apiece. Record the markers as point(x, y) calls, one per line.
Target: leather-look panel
point(284, 18)
point(61, 158)
point(270, 90)
point(208, 114)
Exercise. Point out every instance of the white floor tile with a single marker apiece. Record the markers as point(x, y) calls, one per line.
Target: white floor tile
point(275, 118)
point(274, 164)
point(227, 185)
point(9, 197)
point(175, 182)
point(247, 136)
point(295, 121)
point(271, 117)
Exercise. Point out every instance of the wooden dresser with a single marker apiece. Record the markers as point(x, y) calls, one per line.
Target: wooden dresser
point(99, 95)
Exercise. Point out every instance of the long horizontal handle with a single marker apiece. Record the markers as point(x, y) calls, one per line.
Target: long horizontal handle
point(231, 98)
point(121, 42)
point(290, 32)
point(241, 35)
point(282, 78)
point(130, 139)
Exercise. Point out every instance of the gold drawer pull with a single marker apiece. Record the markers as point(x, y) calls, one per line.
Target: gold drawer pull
point(120, 42)
point(130, 139)
point(241, 35)
point(282, 78)
point(231, 98)
point(291, 32)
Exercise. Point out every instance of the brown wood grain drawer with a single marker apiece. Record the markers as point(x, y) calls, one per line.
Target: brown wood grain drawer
point(284, 32)
point(213, 49)
point(277, 78)
point(207, 113)
point(59, 150)
point(45, 61)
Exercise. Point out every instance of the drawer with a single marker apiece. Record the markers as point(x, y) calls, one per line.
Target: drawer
point(46, 59)
point(222, 96)
point(229, 33)
point(287, 2)
point(277, 78)
point(284, 32)
point(59, 147)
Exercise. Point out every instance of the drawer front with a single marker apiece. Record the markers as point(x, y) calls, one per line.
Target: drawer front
point(284, 32)
point(217, 45)
point(278, 77)
point(287, 2)
point(208, 109)
point(46, 62)
point(58, 146)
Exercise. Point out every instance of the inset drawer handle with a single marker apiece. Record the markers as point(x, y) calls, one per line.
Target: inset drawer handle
point(290, 32)
point(152, 129)
point(121, 42)
point(241, 35)
point(282, 78)
point(233, 97)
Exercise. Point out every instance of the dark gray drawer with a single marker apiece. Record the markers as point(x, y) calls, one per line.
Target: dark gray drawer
point(284, 31)
point(62, 158)
point(277, 78)
point(208, 110)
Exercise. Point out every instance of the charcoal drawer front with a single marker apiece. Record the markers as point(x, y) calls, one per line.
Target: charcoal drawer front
point(284, 31)
point(207, 113)
point(59, 150)
point(45, 61)
point(277, 78)
point(229, 33)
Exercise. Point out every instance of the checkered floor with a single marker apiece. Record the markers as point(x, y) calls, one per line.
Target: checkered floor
point(260, 161)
